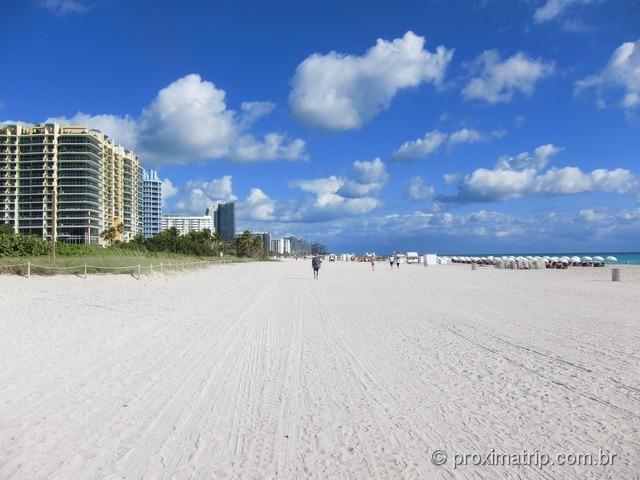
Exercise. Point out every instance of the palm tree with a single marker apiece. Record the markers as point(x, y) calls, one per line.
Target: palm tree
point(109, 234)
point(247, 244)
point(112, 232)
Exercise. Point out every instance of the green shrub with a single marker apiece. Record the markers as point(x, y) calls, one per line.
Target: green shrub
point(23, 246)
point(77, 250)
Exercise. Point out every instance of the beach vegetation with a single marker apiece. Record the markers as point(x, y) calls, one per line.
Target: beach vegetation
point(248, 245)
point(6, 229)
point(202, 244)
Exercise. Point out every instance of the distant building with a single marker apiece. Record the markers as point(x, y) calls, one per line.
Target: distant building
point(281, 246)
point(277, 246)
point(265, 238)
point(80, 177)
point(185, 224)
point(298, 246)
point(151, 203)
point(225, 221)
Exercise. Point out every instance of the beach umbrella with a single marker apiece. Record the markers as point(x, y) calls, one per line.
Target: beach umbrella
point(612, 259)
point(598, 259)
point(564, 260)
point(575, 259)
point(587, 259)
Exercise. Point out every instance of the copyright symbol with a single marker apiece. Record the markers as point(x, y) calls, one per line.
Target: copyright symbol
point(439, 457)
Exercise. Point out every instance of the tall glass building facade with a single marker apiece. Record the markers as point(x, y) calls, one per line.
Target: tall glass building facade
point(225, 221)
point(151, 203)
point(95, 183)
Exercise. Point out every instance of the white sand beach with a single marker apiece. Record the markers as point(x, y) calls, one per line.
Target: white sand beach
point(256, 371)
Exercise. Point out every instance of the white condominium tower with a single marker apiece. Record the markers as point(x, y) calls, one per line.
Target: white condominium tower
point(186, 224)
point(151, 203)
point(96, 183)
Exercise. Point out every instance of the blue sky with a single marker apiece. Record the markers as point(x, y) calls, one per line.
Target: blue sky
point(471, 126)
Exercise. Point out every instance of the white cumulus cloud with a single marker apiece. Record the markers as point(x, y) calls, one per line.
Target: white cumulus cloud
point(334, 197)
point(433, 140)
point(417, 190)
point(274, 146)
point(189, 121)
point(198, 195)
point(524, 175)
point(495, 80)
point(421, 147)
point(168, 191)
point(622, 74)
point(336, 91)
point(552, 9)
point(257, 206)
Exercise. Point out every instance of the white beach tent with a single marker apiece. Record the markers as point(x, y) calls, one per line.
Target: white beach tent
point(412, 257)
point(430, 259)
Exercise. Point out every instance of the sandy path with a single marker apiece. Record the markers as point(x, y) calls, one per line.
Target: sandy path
point(257, 371)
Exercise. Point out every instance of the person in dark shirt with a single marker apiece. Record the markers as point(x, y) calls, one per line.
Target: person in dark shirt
point(316, 261)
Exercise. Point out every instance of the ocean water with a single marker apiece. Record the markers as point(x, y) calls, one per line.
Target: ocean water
point(624, 258)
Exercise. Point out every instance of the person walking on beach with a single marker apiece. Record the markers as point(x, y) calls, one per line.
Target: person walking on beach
point(398, 262)
point(373, 263)
point(391, 260)
point(315, 264)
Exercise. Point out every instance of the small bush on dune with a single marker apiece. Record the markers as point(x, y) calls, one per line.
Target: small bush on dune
point(78, 250)
point(20, 246)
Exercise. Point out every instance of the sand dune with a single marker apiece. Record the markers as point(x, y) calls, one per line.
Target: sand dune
point(258, 371)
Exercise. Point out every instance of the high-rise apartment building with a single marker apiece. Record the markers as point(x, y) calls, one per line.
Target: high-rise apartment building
point(151, 203)
point(265, 238)
point(185, 224)
point(75, 175)
point(225, 221)
point(281, 246)
point(277, 246)
point(299, 246)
